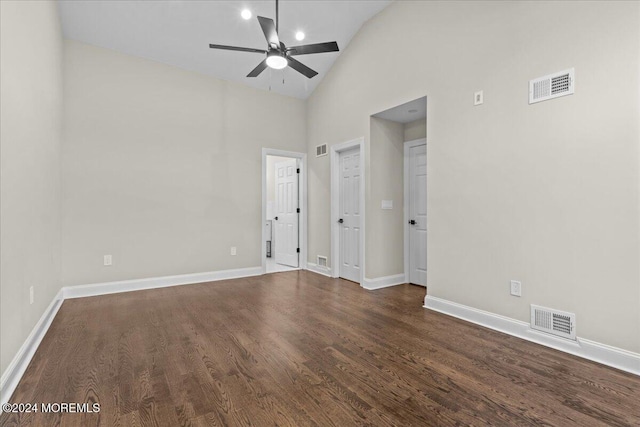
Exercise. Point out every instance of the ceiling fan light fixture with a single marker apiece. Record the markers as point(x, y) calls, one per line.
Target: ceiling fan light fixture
point(276, 60)
point(278, 55)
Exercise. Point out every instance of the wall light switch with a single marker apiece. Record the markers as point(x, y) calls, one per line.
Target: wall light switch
point(233, 250)
point(31, 295)
point(478, 98)
point(108, 260)
point(387, 204)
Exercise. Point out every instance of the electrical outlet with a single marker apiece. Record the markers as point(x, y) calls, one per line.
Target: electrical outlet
point(233, 250)
point(516, 288)
point(31, 295)
point(108, 260)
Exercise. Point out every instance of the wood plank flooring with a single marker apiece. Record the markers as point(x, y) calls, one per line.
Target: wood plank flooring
point(300, 349)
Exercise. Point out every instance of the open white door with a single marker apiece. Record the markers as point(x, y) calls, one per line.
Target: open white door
point(418, 215)
point(286, 220)
point(349, 214)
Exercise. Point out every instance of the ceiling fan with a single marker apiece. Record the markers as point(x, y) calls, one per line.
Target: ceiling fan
point(279, 55)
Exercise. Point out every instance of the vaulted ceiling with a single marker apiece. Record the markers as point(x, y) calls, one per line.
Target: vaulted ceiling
point(179, 32)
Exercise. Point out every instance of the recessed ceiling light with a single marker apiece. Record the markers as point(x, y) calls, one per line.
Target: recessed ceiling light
point(413, 111)
point(246, 14)
point(299, 36)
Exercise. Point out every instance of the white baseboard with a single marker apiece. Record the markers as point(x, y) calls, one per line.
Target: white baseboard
point(156, 282)
point(12, 375)
point(383, 282)
point(325, 271)
point(611, 356)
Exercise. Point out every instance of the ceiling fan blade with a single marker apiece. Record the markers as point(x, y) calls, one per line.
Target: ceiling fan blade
point(269, 30)
point(260, 68)
point(301, 68)
point(241, 49)
point(313, 48)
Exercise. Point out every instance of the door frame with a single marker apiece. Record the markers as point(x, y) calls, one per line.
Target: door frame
point(335, 204)
point(302, 202)
point(408, 145)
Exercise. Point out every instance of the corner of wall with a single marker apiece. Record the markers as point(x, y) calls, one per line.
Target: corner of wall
point(32, 104)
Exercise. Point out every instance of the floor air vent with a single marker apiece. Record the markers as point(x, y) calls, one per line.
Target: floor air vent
point(551, 86)
point(321, 150)
point(554, 322)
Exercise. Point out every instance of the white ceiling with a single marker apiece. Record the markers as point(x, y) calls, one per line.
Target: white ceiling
point(179, 32)
point(407, 112)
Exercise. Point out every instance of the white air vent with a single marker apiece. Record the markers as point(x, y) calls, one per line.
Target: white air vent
point(321, 150)
point(551, 86)
point(322, 261)
point(555, 322)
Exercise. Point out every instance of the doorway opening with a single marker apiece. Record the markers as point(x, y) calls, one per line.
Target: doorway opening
point(283, 211)
point(397, 241)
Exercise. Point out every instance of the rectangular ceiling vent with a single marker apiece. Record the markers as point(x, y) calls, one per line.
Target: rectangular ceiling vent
point(551, 86)
point(321, 150)
point(322, 261)
point(554, 322)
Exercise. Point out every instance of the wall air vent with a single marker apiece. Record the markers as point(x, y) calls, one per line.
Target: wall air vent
point(551, 86)
point(322, 261)
point(321, 150)
point(554, 322)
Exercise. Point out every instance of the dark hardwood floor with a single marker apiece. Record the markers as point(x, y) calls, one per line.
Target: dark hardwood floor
point(301, 349)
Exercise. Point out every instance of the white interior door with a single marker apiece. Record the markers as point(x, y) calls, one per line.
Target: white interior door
point(286, 219)
point(349, 214)
point(418, 215)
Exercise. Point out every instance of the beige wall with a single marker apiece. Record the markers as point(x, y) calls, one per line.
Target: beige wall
point(546, 193)
point(30, 113)
point(384, 227)
point(416, 129)
point(162, 167)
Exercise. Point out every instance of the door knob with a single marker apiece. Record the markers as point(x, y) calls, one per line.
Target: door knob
point(412, 221)
point(276, 218)
point(341, 220)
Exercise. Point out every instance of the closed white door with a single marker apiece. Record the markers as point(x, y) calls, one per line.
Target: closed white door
point(418, 215)
point(286, 219)
point(350, 209)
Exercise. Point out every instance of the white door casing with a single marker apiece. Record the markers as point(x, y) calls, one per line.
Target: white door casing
point(286, 220)
point(417, 213)
point(350, 207)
